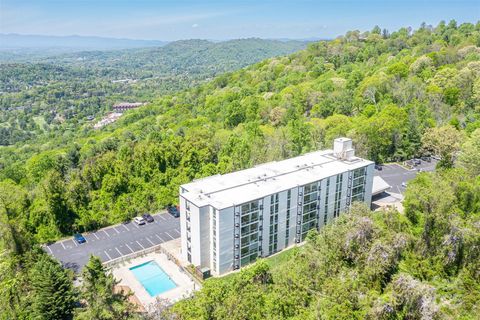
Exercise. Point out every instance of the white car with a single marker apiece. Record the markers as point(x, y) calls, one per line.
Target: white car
point(404, 184)
point(139, 220)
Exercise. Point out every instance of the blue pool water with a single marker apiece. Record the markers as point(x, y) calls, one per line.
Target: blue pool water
point(153, 278)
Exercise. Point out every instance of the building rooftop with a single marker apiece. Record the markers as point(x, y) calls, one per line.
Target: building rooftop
point(223, 191)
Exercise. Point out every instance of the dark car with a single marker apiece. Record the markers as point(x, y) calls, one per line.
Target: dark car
point(427, 159)
point(148, 217)
point(378, 167)
point(417, 162)
point(79, 238)
point(173, 210)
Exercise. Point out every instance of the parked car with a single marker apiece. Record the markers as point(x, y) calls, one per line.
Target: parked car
point(417, 162)
point(427, 159)
point(173, 210)
point(148, 217)
point(378, 167)
point(404, 184)
point(139, 220)
point(79, 238)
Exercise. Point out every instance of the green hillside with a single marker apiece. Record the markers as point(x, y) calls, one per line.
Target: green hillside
point(397, 95)
point(385, 93)
point(67, 90)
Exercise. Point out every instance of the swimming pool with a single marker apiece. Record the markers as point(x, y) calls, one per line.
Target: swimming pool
point(153, 278)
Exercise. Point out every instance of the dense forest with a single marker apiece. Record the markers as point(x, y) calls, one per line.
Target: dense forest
point(398, 95)
point(62, 94)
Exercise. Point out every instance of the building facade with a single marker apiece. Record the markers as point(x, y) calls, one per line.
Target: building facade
point(228, 221)
point(125, 106)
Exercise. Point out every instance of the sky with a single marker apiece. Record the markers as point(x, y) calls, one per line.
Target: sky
point(219, 20)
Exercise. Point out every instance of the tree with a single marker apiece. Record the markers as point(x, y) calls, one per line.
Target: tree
point(469, 157)
point(98, 292)
point(299, 136)
point(444, 142)
point(52, 295)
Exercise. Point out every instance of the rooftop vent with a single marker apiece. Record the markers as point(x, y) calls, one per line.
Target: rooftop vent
point(342, 149)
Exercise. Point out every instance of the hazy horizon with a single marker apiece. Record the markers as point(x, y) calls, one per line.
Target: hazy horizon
point(159, 40)
point(220, 20)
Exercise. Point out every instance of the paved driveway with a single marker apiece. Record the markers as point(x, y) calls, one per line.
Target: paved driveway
point(115, 241)
point(395, 174)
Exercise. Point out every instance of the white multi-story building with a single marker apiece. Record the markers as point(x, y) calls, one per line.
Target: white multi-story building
point(228, 221)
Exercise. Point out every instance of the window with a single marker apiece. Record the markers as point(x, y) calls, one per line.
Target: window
point(287, 232)
point(249, 232)
point(359, 179)
point(273, 240)
point(310, 211)
point(338, 195)
point(214, 239)
point(327, 192)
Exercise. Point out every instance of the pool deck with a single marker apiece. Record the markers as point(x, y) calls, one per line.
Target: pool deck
point(185, 285)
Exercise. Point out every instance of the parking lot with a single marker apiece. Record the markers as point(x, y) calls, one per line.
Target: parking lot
point(115, 241)
point(395, 174)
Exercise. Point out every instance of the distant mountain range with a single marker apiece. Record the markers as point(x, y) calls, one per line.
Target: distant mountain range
point(13, 41)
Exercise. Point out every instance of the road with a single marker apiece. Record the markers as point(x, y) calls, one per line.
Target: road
point(395, 174)
point(115, 241)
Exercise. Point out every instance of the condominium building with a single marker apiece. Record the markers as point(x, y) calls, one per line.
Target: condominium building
point(228, 221)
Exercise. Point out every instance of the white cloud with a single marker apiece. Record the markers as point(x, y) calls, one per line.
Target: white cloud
point(195, 25)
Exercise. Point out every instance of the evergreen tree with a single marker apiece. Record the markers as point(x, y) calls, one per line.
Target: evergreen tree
point(97, 291)
point(52, 294)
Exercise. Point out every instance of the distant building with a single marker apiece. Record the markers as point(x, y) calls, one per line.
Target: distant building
point(124, 106)
point(228, 221)
point(108, 119)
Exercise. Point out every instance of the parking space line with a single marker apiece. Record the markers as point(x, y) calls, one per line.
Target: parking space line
point(159, 238)
point(75, 242)
point(63, 245)
point(161, 217)
point(140, 244)
point(150, 241)
point(135, 225)
point(118, 251)
point(106, 233)
point(169, 235)
point(116, 229)
point(125, 227)
point(49, 249)
point(109, 258)
point(129, 247)
point(96, 236)
point(176, 230)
